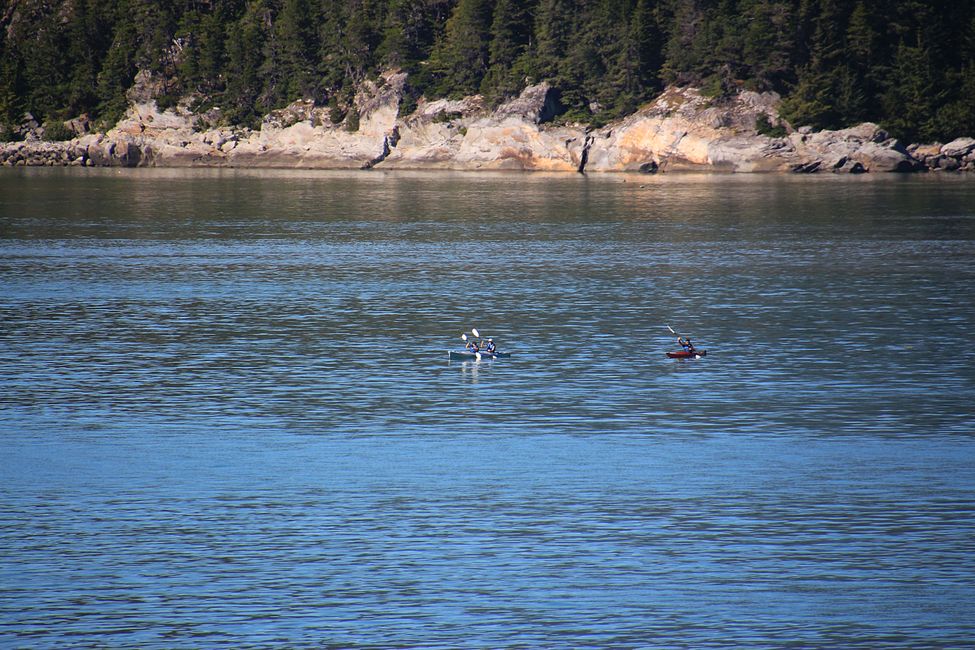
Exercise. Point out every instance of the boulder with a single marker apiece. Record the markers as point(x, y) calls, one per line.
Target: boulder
point(301, 110)
point(538, 103)
point(99, 154)
point(882, 158)
point(950, 164)
point(959, 148)
point(127, 154)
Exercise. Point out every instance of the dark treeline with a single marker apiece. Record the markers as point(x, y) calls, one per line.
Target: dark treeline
point(907, 64)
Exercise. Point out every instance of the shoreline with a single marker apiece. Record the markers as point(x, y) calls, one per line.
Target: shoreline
point(680, 131)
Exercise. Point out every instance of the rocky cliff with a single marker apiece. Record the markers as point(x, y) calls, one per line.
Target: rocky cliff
point(680, 130)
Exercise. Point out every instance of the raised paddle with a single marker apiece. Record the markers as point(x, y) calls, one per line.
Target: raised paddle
point(477, 355)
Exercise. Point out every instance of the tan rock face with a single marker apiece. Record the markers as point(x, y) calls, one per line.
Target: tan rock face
point(680, 130)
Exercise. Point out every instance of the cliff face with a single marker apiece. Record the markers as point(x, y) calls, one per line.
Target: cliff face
point(681, 130)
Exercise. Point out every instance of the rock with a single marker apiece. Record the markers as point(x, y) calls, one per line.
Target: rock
point(99, 155)
point(922, 151)
point(959, 147)
point(878, 158)
point(79, 125)
point(145, 88)
point(950, 164)
point(539, 103)
point(896, 145)
point(127, 154)
point(807, 168)
point(298, 111)
point(680, 130)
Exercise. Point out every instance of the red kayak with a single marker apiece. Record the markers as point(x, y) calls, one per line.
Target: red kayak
point(684, 354)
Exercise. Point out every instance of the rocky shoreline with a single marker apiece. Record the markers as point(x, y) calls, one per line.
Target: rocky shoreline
point(680, 131)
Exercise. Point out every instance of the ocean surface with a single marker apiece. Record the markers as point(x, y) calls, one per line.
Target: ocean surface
point(228, 420)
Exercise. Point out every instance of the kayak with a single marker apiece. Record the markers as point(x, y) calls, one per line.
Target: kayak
point(684, 354)
point(464, 355)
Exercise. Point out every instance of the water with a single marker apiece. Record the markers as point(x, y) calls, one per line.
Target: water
point(228, 419)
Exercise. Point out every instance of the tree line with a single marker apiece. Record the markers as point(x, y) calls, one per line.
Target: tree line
point(907, 64)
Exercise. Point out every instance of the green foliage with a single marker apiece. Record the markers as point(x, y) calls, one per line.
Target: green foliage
point(764, 127)
point(7, 134)
point(907, 64)
point(445, 116)
point(56, 131)
point(912, 95)
point(460, 59)
point(352, 121)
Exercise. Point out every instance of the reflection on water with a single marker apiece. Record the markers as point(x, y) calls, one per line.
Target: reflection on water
point(228, 416)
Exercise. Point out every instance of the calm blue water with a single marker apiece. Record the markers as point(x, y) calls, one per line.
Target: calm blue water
point(227, 418)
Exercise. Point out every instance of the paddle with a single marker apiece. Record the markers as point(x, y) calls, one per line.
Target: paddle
point(696, 356)
point(477, 355)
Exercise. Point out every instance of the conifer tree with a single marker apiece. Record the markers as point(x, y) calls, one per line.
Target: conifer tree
point(646, 45)
point(118, 69)
point(553, 21)
point(11, 89)
point(908, 64)
point(912, 94)
point(243, 62)
point(510, 38)
point(460, 59)
point(297, 42)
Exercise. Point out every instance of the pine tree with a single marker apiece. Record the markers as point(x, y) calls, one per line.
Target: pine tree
point(460, 59)
point(912, 95)
point(244, 60)
point(553, 21)
point(646, 46)
point(509, 41)
point(768, 43)
point(87, 33)
point(685, 21)
point(118, 68)
point(46, 64)
point(296, 41)
point(11, 90)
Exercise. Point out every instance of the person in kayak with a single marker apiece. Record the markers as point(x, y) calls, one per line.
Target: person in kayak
point(491, 347)
point(686, 344)
point(473, 347)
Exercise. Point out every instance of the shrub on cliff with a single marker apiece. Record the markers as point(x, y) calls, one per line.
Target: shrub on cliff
point(56, 131)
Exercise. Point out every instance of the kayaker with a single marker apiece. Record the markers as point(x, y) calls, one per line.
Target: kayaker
point(686, 344)
point(491, 347)
point(472, 346)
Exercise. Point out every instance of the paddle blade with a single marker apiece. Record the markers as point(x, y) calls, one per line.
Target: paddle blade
point(474, 332)
point(463, 336)
point(672, 330)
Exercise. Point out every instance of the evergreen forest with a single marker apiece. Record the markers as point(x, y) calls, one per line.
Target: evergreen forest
point(906, 64)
